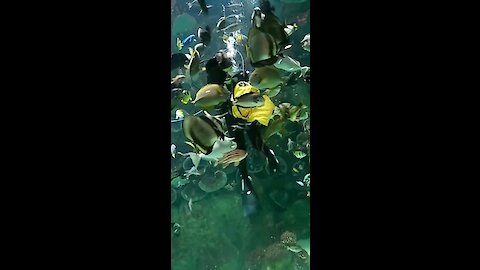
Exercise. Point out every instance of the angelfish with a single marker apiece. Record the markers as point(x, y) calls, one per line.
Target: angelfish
point(193, 66)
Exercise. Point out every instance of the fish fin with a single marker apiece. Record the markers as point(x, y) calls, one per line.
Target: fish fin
point(190, 144)
point(236, 163)
point(224, 165)
point(186, 66)
point(209, 6)
point(203, 69)
point(183, 154)
point(195, 160)
point(188, 56)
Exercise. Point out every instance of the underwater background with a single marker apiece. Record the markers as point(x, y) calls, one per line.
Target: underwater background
point(209, 227)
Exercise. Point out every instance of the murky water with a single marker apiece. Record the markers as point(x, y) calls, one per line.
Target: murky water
point(213, 224)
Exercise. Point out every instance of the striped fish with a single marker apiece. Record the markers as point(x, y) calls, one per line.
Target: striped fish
point(234, 157)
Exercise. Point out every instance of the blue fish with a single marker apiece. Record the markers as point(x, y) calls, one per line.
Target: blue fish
point(186, 41)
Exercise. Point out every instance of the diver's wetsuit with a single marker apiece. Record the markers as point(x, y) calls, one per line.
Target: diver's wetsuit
point(254, 131)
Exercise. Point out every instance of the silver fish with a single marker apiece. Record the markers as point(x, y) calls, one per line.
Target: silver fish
point(291, 65)
point(173, 150)
point(306, 42)
point(295, 248)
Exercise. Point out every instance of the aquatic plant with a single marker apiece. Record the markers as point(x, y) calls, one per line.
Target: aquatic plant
point(288, 238)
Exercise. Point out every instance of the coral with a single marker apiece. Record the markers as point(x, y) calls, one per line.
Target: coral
point(275, 251)
point(288, 238)
point(254, 258)
point(277, 257)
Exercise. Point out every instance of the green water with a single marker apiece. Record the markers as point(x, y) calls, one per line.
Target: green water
point(214, 233)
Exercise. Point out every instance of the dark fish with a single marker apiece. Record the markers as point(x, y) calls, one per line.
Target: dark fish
point(193, 67)
point(178, 60)
point(200, 132)
point(204, 35)
point(176, 95)
point(266, 7)
point(203, 6)
point(261, 48)
point(215, 69)
point(272, 25)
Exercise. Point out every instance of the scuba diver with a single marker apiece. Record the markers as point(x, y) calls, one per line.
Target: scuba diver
point(252, 120)
point(245, 110)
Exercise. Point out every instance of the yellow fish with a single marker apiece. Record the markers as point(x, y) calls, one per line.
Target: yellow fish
point(186, 97)
point(179, 44)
